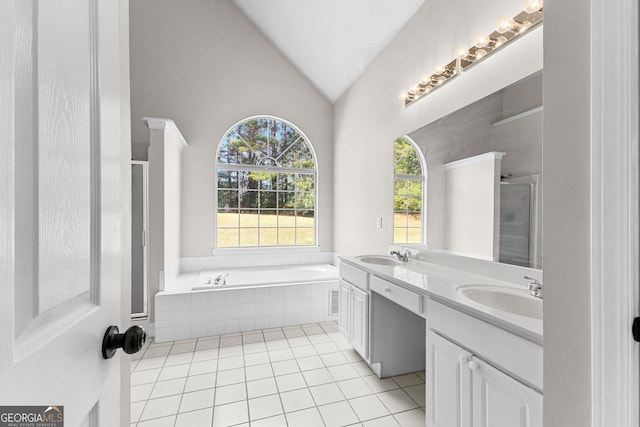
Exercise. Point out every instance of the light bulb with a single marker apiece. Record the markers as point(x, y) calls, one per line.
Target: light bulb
point(533, 6)
point(506, 24)
point(524, 26)
point(500, 41)
point(441, 79)
point(462, 52)
point(413, 90)
point(403, 96)
point(425, 79)
point(480, 53)
point(439, 69)
point(482, 40)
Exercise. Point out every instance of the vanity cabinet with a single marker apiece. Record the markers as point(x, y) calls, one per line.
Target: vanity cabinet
point(359, 317)
point(377, 318)
point(492, 380)
point(397, 325)
point(449, 386)
point(500, 400)
point(404, 298)
point(354, 308)
point(343, 315)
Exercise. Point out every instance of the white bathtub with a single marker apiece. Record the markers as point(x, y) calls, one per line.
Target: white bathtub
point(246, 299)
point(263, 276)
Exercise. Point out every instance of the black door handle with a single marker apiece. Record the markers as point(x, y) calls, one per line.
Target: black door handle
point(635, 329)
point(130, 342)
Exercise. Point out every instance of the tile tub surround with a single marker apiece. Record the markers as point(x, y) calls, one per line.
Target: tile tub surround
point(293, 376)
point(198, 314)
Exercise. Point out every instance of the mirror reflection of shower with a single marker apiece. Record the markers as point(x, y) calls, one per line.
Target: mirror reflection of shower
point(519, 221)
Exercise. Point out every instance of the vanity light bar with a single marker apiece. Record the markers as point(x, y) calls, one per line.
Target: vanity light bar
point(508, 30)
point(428, 83)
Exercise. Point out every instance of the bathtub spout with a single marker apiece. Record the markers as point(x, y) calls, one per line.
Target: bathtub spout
point(221, 278)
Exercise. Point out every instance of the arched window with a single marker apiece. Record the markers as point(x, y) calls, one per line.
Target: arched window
point(408, 193)
point(266, 192)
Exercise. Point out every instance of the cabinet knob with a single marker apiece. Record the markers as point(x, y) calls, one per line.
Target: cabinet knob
point(473, 365)
point(387, 289)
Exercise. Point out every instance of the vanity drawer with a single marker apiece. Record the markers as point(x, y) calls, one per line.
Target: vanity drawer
point(401, 296)
point(513, 354)
point(355, 276)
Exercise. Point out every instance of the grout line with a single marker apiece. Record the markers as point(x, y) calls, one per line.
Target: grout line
point(246, 380)
point(185, 381)
point(285, 340)
point(274, 378)
point(154, 384)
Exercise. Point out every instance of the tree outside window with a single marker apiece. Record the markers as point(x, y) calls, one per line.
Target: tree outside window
point(408, 193)
point(266, 174)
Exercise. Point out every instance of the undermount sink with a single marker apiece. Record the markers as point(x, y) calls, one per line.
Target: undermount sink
point(379, 260)
point(509, 300)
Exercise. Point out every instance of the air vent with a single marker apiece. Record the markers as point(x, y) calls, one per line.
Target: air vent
point(334, 302)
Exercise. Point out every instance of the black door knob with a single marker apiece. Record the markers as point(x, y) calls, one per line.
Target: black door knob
point(130, 342)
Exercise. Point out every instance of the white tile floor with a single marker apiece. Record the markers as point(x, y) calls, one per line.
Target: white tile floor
point(294, 376)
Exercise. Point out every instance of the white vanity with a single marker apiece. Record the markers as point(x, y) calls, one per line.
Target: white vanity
point(478, 338)
point(377, 317)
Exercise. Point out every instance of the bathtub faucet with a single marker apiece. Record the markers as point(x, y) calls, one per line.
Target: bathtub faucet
point(221, 278)
point(535, 287)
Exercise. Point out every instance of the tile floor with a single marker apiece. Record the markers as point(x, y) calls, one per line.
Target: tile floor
point(294, 376)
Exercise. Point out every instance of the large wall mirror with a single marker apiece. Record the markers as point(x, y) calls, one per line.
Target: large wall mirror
point(484, 177)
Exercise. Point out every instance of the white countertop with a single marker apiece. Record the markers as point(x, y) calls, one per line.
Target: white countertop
point(441, 283)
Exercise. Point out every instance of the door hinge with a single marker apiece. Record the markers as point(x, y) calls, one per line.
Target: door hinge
point(635, 329)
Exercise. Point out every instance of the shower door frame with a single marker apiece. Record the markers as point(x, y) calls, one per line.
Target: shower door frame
point(145, 240)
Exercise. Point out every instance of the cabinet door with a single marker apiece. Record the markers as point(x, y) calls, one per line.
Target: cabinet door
point(499, 400)
point(359, 316)
point(343, 318)
point(448, 389)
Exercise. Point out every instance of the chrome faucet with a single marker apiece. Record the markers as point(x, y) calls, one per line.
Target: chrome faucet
point(221, 278)
point(535, 287)
point(404, 257)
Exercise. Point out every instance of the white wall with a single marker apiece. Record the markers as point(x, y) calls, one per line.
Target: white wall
point(566, 214)
point(202, 64)
point(369, 116)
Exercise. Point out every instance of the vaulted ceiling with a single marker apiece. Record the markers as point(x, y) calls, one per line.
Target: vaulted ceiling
point(330, 41)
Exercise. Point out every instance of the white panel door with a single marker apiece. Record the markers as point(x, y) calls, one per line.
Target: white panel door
point(343, 319)
point(359, 317)
point(59, 206)
point(501, 401)
point(448, 387)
